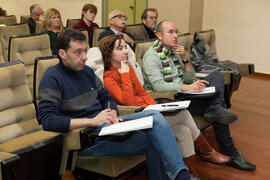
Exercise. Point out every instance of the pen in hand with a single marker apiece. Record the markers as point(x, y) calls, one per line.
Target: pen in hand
point(109, 106)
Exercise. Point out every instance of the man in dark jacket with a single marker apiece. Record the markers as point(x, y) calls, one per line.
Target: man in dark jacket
point(37, 14)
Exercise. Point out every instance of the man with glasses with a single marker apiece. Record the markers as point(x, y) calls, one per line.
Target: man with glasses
point(166, 68)
point(37, 14)
point(117, 20)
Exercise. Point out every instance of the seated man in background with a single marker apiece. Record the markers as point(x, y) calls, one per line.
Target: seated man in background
point(3, 12)
point(71, 96)
point(89, 12)
point(37, 14)
point(166, 68)
point(117, 20)
point(149, 19)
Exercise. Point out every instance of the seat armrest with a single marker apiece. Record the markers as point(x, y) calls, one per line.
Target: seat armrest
point(246, 68)
point(125, 110)
point(155, 94)
point(227, 77)
point(6, 158)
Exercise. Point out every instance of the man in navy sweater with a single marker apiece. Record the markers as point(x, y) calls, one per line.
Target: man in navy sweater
point(71, 96)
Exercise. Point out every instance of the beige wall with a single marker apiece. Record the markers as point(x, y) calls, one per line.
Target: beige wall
point(242, 30)
point(69, 9)
point(175, 10)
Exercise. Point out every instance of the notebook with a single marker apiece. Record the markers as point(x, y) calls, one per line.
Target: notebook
point(127, 126)
point(167, 107)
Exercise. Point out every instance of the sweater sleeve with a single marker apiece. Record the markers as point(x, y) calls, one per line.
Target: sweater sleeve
point(140, 91)
point(123, 94)
point(48, 108)
point(152, 71)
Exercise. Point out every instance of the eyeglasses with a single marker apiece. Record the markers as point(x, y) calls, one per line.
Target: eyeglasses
point(120, 16)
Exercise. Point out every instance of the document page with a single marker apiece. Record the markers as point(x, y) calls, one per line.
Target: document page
point(171, 106)
point(127, 126)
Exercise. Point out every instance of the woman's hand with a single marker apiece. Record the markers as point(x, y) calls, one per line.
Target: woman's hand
point(124, 67)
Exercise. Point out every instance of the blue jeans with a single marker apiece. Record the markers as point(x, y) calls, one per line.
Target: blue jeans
point(163, 157)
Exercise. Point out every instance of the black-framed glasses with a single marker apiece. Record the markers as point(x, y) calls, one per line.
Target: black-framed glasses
point(120, 16)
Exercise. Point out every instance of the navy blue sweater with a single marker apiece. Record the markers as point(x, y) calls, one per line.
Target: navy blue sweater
point(65, 94)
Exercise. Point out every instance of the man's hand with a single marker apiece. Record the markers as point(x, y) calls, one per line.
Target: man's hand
point(106, 116)
point(124, 67)
point(127, 38)
point(197, 86)
point(180, 50)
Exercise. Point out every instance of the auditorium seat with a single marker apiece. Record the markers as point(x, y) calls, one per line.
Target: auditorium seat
point(71, 22)
point(39, 27)
point(1, 54)
point(11, 19)
point(209, 39)
point(96, 33)
point(24, 18)
point(109, 167)
point(11, 30)
point(26, 151)
point(26, 49)
point(138, 32)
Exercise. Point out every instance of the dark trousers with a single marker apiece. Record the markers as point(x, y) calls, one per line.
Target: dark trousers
point(198, 107)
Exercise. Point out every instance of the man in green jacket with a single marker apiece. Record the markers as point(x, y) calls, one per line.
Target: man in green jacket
point(166, 68)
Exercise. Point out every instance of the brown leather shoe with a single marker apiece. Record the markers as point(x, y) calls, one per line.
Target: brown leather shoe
point(207, 153)
point(191, 163)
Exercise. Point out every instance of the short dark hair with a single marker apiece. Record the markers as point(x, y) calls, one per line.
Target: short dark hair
point(144, 14)
point(90, 7)
point(33, 7)
point(66, 36)
point(106, 46)
point(3, 12)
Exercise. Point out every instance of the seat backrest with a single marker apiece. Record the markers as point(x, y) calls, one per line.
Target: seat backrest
point(26, 49)
point(17, 112)
point(71, 22)
point(8, 19)
point(39, 27)
point(209, 39)
point(24, 18)
point(86, 35)
point(96, 33)
point(11, 30)
point(140, 49)
point(1, 54)
point(40, 66)
point(186, 41)
point(138, 32)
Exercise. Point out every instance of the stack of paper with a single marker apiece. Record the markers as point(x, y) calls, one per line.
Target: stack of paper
point(172, 106)
point(127, 126)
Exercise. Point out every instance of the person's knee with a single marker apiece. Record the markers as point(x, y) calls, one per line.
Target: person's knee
point(182, 133)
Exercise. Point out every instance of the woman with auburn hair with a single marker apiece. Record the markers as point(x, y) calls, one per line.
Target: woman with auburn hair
point(123, 85)
point(53, 25)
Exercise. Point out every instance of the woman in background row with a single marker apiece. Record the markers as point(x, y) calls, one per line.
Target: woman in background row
point(53, 25)
point(123, 85)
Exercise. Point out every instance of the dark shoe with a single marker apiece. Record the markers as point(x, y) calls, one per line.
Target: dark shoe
point(220, 115)
point(207, 153)
point(239, 162)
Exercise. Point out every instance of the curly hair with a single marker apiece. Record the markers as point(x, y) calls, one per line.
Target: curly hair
point(106, 46)
point(49, 13)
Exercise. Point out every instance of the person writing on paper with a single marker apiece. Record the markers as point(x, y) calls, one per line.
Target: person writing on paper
point(166, 68)
point(123, 85)
point(71, 97)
